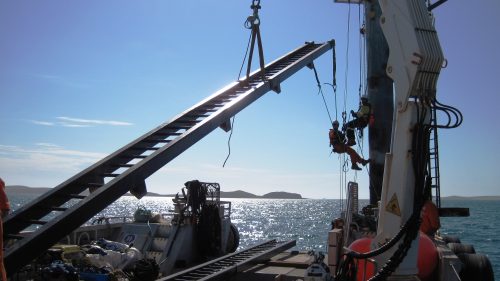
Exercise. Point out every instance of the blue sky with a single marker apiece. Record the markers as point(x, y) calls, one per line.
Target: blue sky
point(80, 79)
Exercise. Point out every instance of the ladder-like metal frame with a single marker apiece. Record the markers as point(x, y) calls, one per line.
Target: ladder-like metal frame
point(434, 159)
point(127, 168)
point(223, 267)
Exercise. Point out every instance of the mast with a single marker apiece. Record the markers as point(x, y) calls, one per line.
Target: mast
point(380, 95)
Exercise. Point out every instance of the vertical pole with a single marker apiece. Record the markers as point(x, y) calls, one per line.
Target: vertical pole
point(380, 95)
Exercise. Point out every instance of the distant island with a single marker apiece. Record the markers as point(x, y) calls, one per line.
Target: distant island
point(270, 195)
point(26, 190)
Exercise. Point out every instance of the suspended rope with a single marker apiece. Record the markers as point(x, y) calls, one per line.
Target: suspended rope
point(362, 90)
point(346, 73)
point(334, 81)
point(343, 158)
point(252, 22)
point(245, 57)
point(343, 167)
point(229, 142)
point(361, 56)
point(360, 62)
point(320, 91)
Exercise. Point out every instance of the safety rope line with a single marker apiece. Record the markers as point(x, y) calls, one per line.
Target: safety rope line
point(229, 142)
point(320, 91)
point(245, 57)
point(361, 57)
point(346, 72)
point(252, 22)
point(362, 73)
point(334, 80)
point(342, 157)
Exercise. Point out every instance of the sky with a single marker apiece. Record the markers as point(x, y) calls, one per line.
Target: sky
point(81, 79)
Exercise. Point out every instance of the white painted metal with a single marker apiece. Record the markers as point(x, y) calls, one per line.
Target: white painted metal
point(415, 59)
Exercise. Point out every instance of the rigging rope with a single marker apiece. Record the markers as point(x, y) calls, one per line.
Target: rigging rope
point(245, 57)
point(344, 167)
point(334, 81)
point(360, 55)
point(252, 22)
point(346, 73)
point(229, 142)
point(320, 91)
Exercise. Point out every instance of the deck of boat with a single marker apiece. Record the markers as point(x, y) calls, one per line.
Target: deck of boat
point(284, 266)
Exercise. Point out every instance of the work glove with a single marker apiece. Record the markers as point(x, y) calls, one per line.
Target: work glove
point(353, 114)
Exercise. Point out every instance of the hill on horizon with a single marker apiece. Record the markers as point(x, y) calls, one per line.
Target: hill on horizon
point(21, 189)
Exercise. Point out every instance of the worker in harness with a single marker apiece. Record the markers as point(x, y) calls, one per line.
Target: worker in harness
point(338, 141)
point(360, 121)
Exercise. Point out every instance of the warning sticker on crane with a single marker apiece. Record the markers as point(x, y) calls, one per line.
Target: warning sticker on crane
point(393, 206)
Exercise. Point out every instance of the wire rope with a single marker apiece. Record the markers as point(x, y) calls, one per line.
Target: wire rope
point(247, 25)
point(346, 71)
point(320, 91)
point(229, 142)
point(360, 53)
point(245, 57)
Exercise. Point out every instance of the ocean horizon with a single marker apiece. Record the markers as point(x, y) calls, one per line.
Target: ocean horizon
point(308, 220)
point(229, 194)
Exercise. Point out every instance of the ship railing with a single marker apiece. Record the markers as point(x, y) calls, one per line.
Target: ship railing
point(112, 219)
point(225, 207)
point(347, 218)
point(167, 217)
point(351, 208)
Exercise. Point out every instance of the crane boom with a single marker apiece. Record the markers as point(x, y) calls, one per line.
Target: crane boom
point(56, 212)
point(415, 60)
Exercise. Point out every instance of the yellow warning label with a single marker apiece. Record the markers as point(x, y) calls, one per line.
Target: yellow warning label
point(393, 206)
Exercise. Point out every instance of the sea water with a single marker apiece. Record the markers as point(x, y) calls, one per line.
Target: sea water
point(308, 220)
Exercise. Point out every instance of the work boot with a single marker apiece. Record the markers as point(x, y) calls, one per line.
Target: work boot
point(355, 167)
point(364, 162)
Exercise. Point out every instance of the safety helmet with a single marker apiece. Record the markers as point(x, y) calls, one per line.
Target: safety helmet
point(364, 97)
point(335, 123)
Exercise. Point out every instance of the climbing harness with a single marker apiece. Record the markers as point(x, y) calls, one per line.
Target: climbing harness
point(253, 23)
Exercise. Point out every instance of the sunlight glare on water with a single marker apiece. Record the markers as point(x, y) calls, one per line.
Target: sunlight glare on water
point(284, 219)
point(305, 220)
point(308, 220)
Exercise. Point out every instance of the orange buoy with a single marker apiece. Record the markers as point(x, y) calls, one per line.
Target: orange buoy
point(365, 269)
point(427, 257)
point(426, 262)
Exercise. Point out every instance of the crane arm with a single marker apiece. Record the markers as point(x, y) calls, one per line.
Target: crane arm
point(415, 60)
